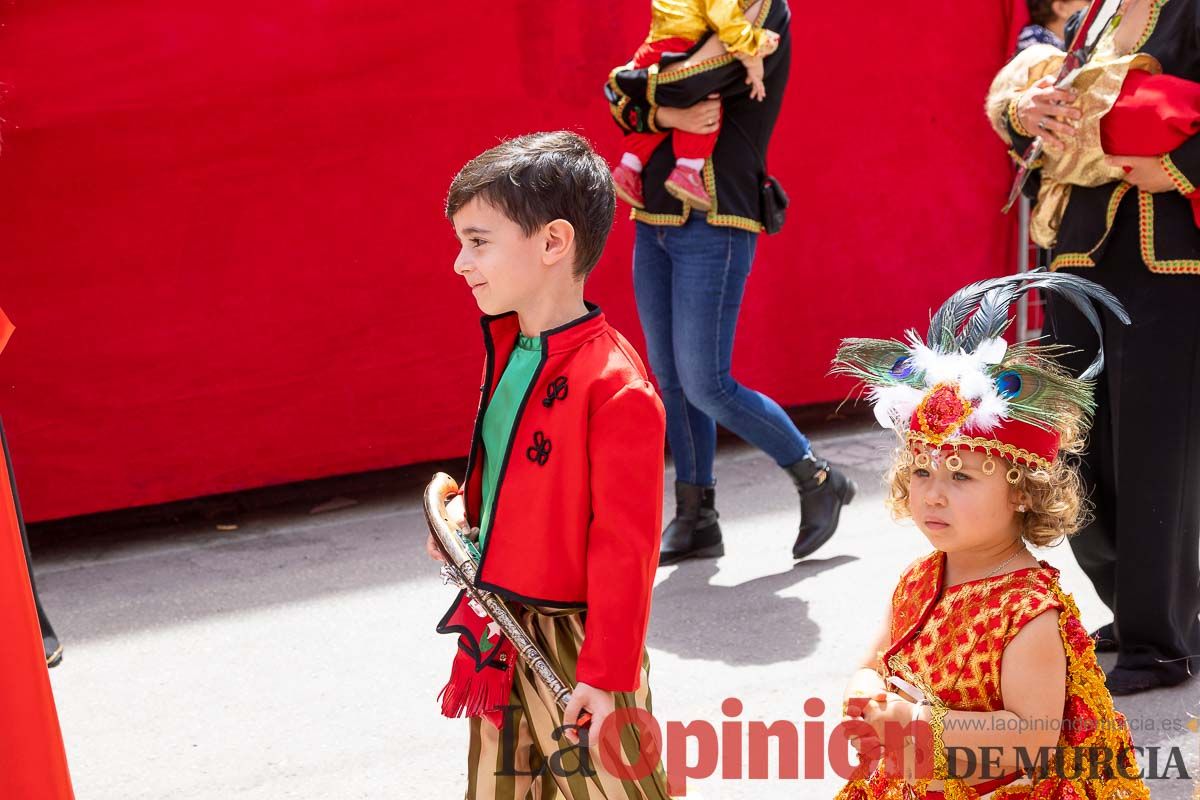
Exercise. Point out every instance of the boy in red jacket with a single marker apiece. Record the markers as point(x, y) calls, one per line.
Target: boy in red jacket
point(564, 479)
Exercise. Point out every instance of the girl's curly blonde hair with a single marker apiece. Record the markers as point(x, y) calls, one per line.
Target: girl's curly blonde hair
point(1059, 505)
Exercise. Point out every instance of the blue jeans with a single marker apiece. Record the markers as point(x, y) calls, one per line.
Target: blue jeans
point(689, 282)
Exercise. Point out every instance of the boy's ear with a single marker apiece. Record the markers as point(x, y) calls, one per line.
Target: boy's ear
point(559, 239)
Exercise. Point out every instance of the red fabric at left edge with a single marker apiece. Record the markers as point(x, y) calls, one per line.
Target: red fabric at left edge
point(6, 329)
point(31, 747)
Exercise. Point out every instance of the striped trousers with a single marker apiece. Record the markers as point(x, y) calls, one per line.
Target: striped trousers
point(524, 761)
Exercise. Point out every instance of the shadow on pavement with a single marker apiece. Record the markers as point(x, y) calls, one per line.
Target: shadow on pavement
point(746, 624)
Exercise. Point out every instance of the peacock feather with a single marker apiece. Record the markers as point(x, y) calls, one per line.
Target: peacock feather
point(964, 344)
point(877, 362)
point(1047, 396)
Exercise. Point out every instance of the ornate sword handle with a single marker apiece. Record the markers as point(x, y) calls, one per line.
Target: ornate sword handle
point(460, 569)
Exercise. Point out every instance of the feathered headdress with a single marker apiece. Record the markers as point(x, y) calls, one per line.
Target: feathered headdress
point(965, 388)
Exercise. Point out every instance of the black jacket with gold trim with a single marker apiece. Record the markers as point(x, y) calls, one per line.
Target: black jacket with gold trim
point(734, 173)
point(1170, 239)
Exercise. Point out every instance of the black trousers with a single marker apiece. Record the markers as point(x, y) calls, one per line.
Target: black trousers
point(49, 638)
point(1142, 465)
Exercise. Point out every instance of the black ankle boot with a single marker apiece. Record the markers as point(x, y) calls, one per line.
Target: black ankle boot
point(695, 532)
point(823, 492)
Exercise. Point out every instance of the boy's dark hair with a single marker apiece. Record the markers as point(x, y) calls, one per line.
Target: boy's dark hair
point(540, 177)
point(1041, 12)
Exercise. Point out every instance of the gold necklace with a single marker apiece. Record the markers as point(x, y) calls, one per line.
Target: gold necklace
point(1006, 562)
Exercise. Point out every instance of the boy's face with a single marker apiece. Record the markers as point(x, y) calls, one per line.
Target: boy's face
point(963, 510)
point(503, 266)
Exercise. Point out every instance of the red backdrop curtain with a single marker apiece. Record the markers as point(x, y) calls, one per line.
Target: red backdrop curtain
point(222, 246)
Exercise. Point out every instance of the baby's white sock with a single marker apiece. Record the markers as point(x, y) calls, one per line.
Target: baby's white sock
point(693, 163)
point(632, 161)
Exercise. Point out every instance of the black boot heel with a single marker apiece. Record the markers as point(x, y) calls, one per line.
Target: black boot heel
point(823, 491)
point(695, 532)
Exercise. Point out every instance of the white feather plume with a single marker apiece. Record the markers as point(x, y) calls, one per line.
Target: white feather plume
point(969, 371)
point(988, 413)
point(992, 350)
point(974, 384)
point(894, 405)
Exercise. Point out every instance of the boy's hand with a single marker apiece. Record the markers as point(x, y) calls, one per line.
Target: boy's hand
point(770, 43)
point(588, 698)
point(432, 550)
point(456, 509)
point(754, 77)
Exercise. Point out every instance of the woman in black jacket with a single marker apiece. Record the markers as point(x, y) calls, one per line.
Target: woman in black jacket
point(690, 271)
point(1136, 236)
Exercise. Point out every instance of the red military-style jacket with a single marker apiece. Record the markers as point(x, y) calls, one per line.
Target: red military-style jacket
point(577, 517)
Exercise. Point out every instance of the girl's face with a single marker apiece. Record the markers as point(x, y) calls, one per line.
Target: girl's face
point(964, 510)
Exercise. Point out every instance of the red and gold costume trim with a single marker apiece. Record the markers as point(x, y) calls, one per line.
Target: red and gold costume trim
point(950, 640)
point(714, 217)
point(938, 423)
point(1177, 266)
point(1015, 120)
point(983, 444)
point(1180, 180)
point(1110, 216)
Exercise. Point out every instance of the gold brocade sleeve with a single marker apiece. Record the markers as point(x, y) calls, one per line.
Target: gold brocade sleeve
point(737, 33)
point(1026, 68)
point(1097, 83)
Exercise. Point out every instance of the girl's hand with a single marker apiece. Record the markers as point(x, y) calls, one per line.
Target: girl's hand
point(890, 709)
point(854, 708)
point(864, 683)
point(1144, 172)
point(1046, 112)
point(701, 118)
point(896, 713)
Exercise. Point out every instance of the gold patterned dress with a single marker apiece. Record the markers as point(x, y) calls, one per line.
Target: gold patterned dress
point(950, 641)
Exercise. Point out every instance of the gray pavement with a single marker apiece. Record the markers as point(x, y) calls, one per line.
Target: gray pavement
point(295, 656)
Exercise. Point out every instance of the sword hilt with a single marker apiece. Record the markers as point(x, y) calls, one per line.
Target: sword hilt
point(1031, 154)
